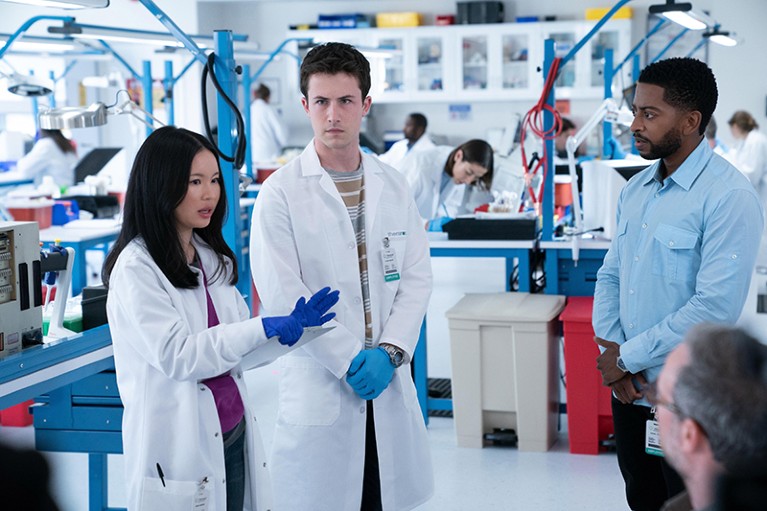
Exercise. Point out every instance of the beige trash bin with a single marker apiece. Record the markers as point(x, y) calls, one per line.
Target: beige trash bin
point(505, 362)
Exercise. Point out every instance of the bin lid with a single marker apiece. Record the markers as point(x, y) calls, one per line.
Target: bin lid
point(578, 309)
point(507, 307)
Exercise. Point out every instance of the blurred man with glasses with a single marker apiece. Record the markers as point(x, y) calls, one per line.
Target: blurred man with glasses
point(710, 401)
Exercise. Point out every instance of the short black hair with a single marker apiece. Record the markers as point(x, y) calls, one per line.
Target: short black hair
point(334, 58)
point(419, 120)
point(158, 183)
point(688, 84)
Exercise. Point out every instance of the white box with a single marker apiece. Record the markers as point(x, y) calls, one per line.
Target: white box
point(505, 362)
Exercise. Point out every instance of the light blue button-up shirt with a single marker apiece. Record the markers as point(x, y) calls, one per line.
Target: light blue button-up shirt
point(683, 254)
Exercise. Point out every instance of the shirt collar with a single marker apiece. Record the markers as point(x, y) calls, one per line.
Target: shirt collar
point(690, 168)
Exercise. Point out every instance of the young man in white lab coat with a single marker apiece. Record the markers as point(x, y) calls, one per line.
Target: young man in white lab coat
point(349, 433)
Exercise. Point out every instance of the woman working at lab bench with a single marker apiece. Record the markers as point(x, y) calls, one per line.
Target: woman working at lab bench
point(447, 182)
point(52, 155)
point(182, 336)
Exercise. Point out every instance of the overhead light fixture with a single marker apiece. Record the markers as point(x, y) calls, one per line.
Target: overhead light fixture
point(64, 4)
point(682, 14)
point(94, 115)
point(126, 35)
point(722, 37)
point(37, 44)
point(29, 85)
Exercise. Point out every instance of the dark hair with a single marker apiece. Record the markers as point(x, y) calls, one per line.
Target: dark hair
point(419, 120)
point(474, 151)
point(567, 124)
point(688, 84)
point(334, 58)
point(263, 92)
point(743, 120)
point(61, 141)
point(158, 183)
point(724, 389)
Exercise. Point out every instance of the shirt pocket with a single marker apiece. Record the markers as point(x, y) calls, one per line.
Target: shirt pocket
point(674, 252)
point(310, 395)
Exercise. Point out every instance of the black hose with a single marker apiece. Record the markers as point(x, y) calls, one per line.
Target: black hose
point(238, 159)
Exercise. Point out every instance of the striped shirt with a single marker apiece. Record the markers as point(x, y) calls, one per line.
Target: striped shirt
point(351, 187)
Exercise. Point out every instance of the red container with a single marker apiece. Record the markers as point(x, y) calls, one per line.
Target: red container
point(589, 413)
point(263, 173)
point(31, 210)
point(17, 415)
point(444, 19)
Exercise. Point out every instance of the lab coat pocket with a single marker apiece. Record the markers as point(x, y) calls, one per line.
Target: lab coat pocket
point(174, 495)
point(310, 395)
point(674, 253)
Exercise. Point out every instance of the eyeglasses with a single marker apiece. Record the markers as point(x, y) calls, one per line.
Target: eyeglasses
point(651, 394)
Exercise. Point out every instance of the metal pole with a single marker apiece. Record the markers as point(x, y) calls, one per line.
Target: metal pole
point(246, 86)
point(146, 83)
point(607, 126)
point(547, 229)
point(168, 99)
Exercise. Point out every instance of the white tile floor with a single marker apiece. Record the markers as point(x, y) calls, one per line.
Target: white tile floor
point(490, 479)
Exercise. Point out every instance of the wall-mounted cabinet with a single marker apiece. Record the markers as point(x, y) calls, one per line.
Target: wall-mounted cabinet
point(480, 62)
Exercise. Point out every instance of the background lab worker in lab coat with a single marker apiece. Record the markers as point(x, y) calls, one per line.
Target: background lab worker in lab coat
point(447, 182)
point(52, 155)
point(415, 140)
point(349, 435)
point(749, 153)
point(268, 132)
point(182, 335)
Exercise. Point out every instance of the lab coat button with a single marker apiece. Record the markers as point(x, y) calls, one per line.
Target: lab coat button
point(362, 409)
point(734, 256)
point(350, 245)
point(202, 388)
point(644, 226)
point(657, 195)
point(215, 434)
point(636, 258)
point(357, 299)
point(631, 291)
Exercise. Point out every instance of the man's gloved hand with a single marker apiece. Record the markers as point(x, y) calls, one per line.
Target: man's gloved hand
point(435, 224)
point(312, 313)
point(370, 373)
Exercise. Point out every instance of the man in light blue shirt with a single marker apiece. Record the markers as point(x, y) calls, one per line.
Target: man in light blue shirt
point(687, 239)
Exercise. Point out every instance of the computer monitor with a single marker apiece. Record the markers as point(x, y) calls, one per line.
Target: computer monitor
point(94, 161)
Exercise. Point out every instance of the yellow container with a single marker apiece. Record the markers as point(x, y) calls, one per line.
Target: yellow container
point(597, 13)
point(398, 19)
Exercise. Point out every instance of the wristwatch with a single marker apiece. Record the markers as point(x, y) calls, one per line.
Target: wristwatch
point(396, 355)
point(621, 365)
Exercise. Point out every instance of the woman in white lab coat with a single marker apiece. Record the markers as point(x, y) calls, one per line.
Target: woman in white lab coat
point(52, 155)
point(447, 182)
point(268, 133)
point(182, 334)
point(749, 153)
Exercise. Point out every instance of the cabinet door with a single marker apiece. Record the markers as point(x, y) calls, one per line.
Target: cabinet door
point(430, 67)
point(515, 59)
point(474, 62)
point(614, 35)
point(388, 69)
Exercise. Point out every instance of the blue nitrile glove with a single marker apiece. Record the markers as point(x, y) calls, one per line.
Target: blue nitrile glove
point(312, 313)
point(616, 151)
point(370, 373)
point(435, 224)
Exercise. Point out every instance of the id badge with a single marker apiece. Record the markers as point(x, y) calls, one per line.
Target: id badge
point(390, 270)
point(652, 439)
point(201, 497)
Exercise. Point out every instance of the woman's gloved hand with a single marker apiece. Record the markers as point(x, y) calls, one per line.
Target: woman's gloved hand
point(435, 225)
point(370, 373)
point(312, 313)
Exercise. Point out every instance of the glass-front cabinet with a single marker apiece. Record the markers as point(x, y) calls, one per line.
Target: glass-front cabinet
point(481, 62)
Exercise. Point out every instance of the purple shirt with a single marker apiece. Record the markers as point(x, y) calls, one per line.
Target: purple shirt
point(224, 389)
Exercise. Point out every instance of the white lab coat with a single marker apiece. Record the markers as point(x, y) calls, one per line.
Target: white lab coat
point(46, 159)
point(750, 157)
point(398, 154)
point(301, 241)
point(162, 350)
point(268, 133)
